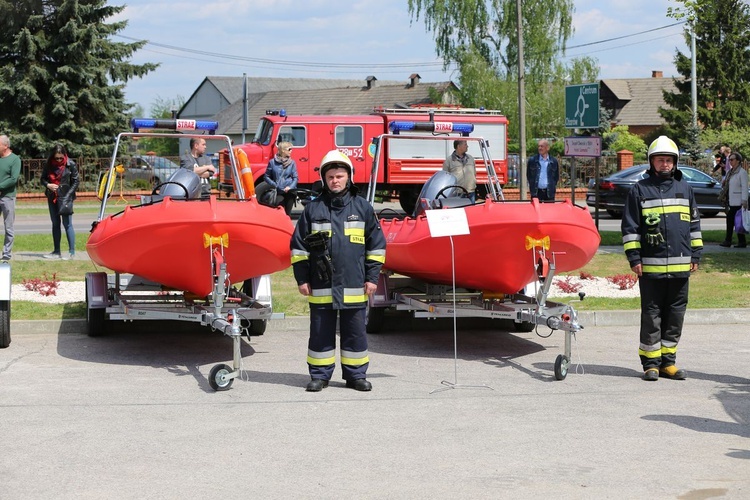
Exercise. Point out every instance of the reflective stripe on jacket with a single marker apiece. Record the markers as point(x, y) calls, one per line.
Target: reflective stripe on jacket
point(661, 227)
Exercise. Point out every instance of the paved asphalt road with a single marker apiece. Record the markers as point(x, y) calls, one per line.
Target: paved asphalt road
point(130, 416)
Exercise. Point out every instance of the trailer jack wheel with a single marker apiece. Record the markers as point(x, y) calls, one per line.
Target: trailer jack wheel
point(218, 378)
point(561, 367)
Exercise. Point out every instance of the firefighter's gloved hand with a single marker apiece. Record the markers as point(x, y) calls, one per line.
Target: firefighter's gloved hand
point(323, 270)
point(654, 239)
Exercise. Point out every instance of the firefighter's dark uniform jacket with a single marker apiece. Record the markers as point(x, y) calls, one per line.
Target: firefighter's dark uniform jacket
point(356, 247)
point(667, 207)
point(661, 231)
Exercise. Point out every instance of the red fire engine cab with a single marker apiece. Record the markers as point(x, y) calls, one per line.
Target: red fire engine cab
point(406, 166)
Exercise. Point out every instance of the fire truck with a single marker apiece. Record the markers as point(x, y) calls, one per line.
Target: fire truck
point(404, 168)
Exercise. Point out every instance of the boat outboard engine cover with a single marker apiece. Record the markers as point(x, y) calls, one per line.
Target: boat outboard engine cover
point(183, 184)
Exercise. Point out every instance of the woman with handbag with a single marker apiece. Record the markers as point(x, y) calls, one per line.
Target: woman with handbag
point(60, 180)
point(735, 184)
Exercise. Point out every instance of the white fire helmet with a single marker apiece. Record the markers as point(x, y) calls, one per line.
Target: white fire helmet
point(663, 145)
point(335, 158)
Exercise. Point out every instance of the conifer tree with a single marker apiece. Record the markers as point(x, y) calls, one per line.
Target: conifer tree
point(722, 30)
point(62, 76)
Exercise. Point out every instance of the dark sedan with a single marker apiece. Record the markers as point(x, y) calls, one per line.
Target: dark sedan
point(614, 189)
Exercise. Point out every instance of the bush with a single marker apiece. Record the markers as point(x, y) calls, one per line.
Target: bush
point(619, 139)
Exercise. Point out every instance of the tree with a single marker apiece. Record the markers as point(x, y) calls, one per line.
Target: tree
point(480, 37)
point(61, 77)
point(722, 30)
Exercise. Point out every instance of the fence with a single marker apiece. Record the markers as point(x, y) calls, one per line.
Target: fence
point(89, 169)
point(88, 172)
point(586, 169)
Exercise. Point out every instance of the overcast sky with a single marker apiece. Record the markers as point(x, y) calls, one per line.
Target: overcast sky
point(353, 39)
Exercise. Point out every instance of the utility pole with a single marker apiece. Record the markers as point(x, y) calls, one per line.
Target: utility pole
point(521, 104)
point(244, 106)
point(693, 76)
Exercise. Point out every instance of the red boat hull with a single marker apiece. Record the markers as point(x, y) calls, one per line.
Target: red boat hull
point(497, 255)
point(166, 242)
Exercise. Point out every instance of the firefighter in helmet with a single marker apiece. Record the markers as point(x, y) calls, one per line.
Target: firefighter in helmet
point(338, 249)
point(661, 234)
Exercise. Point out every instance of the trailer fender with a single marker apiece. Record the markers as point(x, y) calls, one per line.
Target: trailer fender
point(96, 290)
point(261, 290)
point(5, 283)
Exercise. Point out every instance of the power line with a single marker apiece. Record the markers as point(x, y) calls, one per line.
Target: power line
point(381, 71)
point(276, 62)
point(568, 56)
point(625, 36)
point(282, 65)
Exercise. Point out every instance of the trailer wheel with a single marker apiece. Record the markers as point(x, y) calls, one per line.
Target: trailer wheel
point(408, 198)
point(4, 323)
point(523, 326)
point(217, 378)
point(561, 367)
point(95, 322)
point(95, 318)
point(256, 327)
point(374, 318)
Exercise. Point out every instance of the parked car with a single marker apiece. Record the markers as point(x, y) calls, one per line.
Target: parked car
point(154, 169)
point(613, 190)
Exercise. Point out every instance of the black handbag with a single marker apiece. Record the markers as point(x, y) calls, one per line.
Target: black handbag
point(65, 206)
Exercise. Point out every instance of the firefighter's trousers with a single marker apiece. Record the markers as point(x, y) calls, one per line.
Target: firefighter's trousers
point(663, 305)
point(321, 349)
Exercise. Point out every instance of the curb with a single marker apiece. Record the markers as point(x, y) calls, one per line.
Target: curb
point(630, 318)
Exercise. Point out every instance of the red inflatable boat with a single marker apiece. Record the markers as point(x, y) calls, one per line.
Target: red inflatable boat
point(499, 253)
point(170, 241)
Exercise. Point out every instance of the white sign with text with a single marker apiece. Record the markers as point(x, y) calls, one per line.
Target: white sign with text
point(449, 222)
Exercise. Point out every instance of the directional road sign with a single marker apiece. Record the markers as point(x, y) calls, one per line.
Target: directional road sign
point(582, 106)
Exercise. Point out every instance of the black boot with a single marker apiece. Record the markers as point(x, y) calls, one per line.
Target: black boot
point(359, 384)
point(316, 385)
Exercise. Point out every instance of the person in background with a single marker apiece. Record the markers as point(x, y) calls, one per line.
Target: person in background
point(718, 163)
point(198, 162)
point(661, 235)
point(736, 188)
point(721, 160)
point(462, 166)
point(10, 169)
point(281, 176)
point(337, 250)
point(542, 173)
point(60, 180)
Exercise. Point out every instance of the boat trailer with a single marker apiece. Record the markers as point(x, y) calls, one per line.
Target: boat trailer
point(127, 297)
point(426, 300)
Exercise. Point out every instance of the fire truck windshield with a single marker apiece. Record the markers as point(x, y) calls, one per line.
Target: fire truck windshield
point(264, 132)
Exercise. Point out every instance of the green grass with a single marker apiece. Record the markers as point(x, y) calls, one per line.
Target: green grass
point(721, 282)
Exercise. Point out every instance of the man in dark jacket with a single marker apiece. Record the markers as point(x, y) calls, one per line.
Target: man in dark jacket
point(661, 234)
point(542, 173)
point(337, 249)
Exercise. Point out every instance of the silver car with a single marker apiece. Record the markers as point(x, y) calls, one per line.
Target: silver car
point(154, 169)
